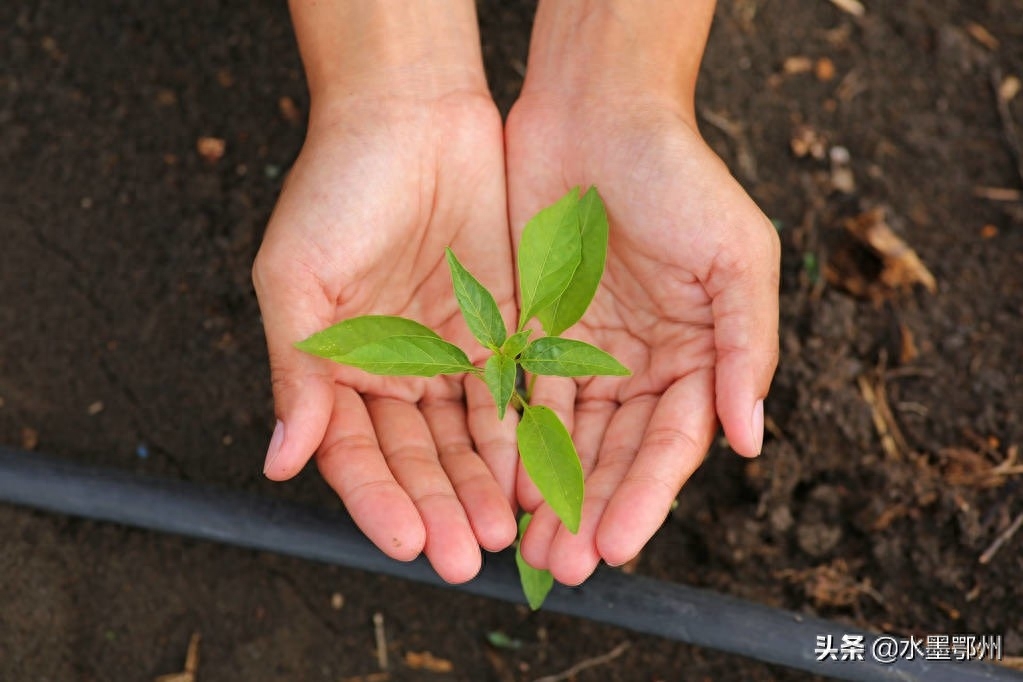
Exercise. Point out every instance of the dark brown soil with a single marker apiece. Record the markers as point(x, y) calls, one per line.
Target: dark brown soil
point(130, 337)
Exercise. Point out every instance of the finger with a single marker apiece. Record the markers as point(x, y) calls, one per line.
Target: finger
point(744, 292)
point(486, 505)
point(676, 440)
point(557, 393)
point(591, 420)
point(408, 446)
point(302, 389)
point(536, 542)
point(573, 557)
point(352, 464)
point(494, 438)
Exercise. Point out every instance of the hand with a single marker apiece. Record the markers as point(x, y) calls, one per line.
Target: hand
point(688, 302)
point(381, 186)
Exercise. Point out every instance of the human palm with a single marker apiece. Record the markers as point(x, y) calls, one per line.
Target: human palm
point(688, 303)
point(379, 190)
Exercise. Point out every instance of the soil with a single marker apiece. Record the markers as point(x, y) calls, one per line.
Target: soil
point(131, 338)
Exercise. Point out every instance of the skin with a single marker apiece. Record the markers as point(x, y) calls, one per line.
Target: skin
point(377, 192)
point(404, 156)
point(689, 297)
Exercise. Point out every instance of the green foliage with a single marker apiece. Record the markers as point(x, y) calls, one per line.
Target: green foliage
point(550, 459)
point(500, 640)
point(549, 254)
point(514, 344)
point(478, 306)
point(383, 344)
point(536, 582)
point(560, 262)
point(811, 266)
point(569, 307)
point(499, 374)
point(560, 357)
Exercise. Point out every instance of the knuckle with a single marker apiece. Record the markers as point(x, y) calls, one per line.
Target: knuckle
point(287, 379)
point(345, 445)
point(673, 441)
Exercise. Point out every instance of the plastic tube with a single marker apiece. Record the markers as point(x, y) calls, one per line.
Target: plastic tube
point(640, 604)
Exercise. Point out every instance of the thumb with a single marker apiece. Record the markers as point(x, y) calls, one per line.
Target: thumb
point(302, 388)
point(744, 290)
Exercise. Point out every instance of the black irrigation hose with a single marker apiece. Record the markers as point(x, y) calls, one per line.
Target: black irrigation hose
point(644, 605)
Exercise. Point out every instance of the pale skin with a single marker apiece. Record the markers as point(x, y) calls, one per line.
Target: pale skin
point(404, 156)
point(401, 124)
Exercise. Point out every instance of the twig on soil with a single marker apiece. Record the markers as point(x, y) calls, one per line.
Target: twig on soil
point(1008, 124)
point(998, 193)
point(191, 663)
point(852, 85)
point(192, 656)
point(909, 372)
point(982, 35)
point(853, 7)
point(990, 446)
point(892, 440)
point(916, 408)
point(381, 640)
point(1002, 538)
point(971, 468)
point(1009, 466)
point(587, 663)
point(832, 584)
point(425, 660)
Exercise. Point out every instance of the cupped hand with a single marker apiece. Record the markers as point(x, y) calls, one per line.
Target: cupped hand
point(380, 188)
point(688, 302)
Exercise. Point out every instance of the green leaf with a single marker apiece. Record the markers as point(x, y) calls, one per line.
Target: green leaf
point(550, 459)
point(514, 344)
point(384, 344)
point(568, 308)
point(549, 254)
point(422, 356)
point(536, 582)
point(557, 356)
point(478, 306)
point(345, 336)
point(499, 375)
point(500, 640)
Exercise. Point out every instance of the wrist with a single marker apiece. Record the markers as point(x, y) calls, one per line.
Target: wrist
point(388, 49)
point(593, 51)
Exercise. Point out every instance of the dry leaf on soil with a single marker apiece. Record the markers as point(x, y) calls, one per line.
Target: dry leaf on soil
point(427, 661)
point(900, 266)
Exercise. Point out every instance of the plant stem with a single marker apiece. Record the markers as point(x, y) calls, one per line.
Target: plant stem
point(529, 388)
point(518, 401)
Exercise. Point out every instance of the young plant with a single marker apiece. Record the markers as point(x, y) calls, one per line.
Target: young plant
point(560, 262)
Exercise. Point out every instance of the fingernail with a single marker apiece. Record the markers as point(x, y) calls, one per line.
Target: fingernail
point(758, 425)
point(275, 446)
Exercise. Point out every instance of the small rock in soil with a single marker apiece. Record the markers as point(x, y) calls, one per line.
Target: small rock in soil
point(29, 438)
point(817, 539)
point(211, 149)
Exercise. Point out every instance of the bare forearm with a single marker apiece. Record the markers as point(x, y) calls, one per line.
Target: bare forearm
point(425, 48)
point(618, 46)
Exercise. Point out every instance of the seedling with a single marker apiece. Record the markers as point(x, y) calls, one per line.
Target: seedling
point(560, 262)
